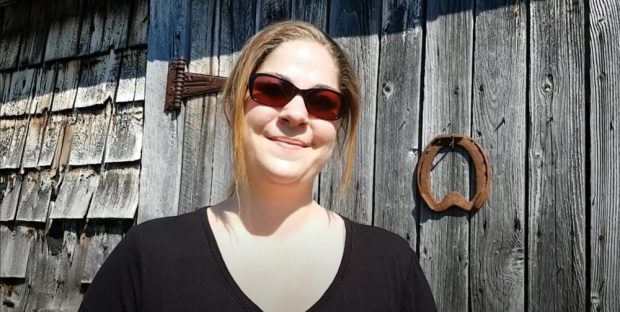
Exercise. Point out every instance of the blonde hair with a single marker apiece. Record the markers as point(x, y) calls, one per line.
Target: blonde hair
point(252, 55)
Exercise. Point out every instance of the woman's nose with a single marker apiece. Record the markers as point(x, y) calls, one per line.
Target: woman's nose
point(295, 112)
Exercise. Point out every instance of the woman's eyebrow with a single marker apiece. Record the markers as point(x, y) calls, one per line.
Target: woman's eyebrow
point(318, 85)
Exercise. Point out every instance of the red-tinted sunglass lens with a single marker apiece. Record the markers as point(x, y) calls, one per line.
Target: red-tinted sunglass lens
point(271, 91)
point(323, 103)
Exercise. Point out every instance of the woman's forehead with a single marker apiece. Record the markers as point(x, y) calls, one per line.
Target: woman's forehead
point(306, 63)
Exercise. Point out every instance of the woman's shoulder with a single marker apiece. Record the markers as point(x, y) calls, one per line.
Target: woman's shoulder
point(169, 231)
point(380, 244)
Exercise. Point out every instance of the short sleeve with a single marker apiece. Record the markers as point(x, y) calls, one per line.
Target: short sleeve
point(118, 283)
point(417, 293)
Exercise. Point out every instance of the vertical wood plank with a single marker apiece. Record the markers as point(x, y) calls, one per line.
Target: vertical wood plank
point(604, 155)
point(355, 26)
point(499, 125)
point(312, 11)
point(444, 237)
point(556, 233)
point(237, 25)
point(198, 139)
point(163, 131)
point(271, 11)
point(398, 119)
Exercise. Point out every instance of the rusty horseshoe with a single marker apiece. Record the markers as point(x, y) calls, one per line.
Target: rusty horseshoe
point(482, 167)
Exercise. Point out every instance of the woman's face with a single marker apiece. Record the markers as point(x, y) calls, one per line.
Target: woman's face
point(286, 144)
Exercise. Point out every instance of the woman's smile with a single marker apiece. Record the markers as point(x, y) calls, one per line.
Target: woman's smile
point(289, 143)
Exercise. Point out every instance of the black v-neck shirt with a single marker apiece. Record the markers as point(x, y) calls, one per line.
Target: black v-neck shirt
point(174, 264)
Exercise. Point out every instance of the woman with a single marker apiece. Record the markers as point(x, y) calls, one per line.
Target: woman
point(270, 247)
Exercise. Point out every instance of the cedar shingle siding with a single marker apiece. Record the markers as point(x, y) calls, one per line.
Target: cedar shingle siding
point(72, 83)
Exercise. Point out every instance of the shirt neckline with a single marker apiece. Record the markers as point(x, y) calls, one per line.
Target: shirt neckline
point(234, 288)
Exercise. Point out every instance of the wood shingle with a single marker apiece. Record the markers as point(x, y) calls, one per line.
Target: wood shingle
point(12, 139)
point(35, 195)
point(10, 186)
point(15, 245)
point(98, 80)
point(117, 193)
point(74, 195)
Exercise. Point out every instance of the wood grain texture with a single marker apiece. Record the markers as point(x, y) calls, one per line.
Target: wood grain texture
point(10, 186)
point(199, 129)
point(92, 26)
point(271, 11)
point(138, 26)
point(556, 239)
point(35, 32)
point(99, 241)
point(124, 142)
point(117, 193)
point(89, 136)
point(54, 270)
point(34, 139)
point(604, 155)
point(36, 192)
point(74, 195)
point(98, 79)
point(497, 250)
point(13, 133)
point(237, 25)
point(355, 26)
point(64, 33)
point(15, 244)
point(11, 25)
point(66, 85)
point(312, 11)
point(54, 128)
point(44, 90)
point(13, 294)
point(5, 86)
point(444, 237)
point(163, 131)
point(116, 25)
point(131, 80)
point(398, 119)
point(20, 93)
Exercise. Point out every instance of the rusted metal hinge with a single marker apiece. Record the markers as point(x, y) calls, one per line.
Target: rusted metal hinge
point(182, 85)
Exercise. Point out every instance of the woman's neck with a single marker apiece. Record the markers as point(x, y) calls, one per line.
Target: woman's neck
point(270, 209)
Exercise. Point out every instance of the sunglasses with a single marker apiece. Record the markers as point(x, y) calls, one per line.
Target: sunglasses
point(270, 90)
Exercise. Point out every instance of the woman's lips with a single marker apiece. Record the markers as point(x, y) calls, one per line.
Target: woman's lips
point(289, 142)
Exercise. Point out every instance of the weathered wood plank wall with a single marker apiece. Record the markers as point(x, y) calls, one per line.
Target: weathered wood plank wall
point(497, 232)
point(444, 238)
point(535, 82)
point(556, 176)
point(604, 154)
